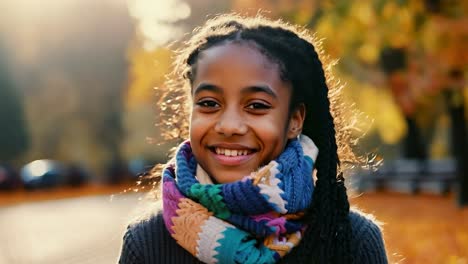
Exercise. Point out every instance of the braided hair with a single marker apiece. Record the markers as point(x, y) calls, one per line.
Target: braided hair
point(298, 55)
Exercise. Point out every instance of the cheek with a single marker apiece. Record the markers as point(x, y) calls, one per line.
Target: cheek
point(273, 134)
point(199, 126)
point(196, 127)
point(196, 133)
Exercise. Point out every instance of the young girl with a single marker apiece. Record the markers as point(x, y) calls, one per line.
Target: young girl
point(242, 188)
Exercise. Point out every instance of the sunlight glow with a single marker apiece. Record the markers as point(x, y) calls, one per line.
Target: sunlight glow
point(157, 20)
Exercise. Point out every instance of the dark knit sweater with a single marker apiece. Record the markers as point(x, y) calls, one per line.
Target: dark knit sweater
point(149, 242)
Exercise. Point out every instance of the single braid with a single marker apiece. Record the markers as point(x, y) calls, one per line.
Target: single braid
point(330, 215)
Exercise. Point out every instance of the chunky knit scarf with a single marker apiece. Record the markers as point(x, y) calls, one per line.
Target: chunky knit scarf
point(253, 220)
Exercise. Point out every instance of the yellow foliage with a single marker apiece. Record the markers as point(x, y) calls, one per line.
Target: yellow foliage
point(362, 11)
point(147, 70)
point(390, 124)
point(381, 114)
point(379, 104)
point(303, 16)
point(325, 28)
point(417, 6)
point(390, 10)
point(405, 19)
point(439, 148)
point(369, 53)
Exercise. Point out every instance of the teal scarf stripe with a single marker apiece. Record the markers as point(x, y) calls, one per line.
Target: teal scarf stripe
point(210, 196)
point(233, 249)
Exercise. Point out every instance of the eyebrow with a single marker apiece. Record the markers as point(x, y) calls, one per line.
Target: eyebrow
point(260, 89)
point(207, 87)
point(250, 89)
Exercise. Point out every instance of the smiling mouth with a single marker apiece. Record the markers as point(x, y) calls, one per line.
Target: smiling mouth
point(232, 152)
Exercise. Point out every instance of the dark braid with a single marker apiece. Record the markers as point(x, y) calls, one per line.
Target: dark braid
point(327, 239)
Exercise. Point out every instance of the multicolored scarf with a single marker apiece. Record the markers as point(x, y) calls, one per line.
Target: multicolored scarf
point(253, 220)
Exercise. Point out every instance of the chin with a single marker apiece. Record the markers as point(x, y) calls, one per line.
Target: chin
point(229, 177)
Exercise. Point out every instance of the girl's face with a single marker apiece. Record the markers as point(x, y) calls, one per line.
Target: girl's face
point(240, 116)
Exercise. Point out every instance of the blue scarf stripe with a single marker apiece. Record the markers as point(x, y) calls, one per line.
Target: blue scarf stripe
point(186, 169)
point(296, 200)
point(245, 198)
point(293, 226)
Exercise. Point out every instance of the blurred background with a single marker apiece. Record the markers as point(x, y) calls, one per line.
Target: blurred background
point(79, 118)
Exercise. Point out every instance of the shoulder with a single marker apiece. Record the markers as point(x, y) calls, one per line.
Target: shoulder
point(138, 239)
point(148, 241)
point(367, 240)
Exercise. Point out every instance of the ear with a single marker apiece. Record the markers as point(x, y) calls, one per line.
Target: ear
point(296, 121)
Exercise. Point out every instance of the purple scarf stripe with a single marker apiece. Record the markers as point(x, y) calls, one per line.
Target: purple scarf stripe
point(258, 228)
point(170, 205)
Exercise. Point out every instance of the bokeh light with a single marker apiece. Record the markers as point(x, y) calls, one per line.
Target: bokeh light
point(157, 20)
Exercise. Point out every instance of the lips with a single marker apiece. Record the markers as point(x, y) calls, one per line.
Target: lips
point(232, 154)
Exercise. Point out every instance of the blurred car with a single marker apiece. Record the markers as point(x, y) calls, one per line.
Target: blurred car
point(117, 172)
point(43, 174)
point(9, 178)
point(76, 175)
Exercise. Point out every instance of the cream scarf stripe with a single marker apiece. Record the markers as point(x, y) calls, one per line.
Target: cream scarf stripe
point(212, 232)
point(268, 184)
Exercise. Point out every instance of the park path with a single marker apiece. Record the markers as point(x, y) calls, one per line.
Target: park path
point(74, 230)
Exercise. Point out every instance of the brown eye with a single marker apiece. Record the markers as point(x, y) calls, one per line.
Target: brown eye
point(259, 106)
point(208, 103)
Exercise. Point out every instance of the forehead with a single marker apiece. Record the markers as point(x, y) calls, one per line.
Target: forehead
point(244, 49)
point(237, 63)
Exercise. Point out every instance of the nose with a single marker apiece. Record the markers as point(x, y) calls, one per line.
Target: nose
point(231, 123)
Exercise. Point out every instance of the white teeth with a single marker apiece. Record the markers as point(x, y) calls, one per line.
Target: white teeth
point(231, 152)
